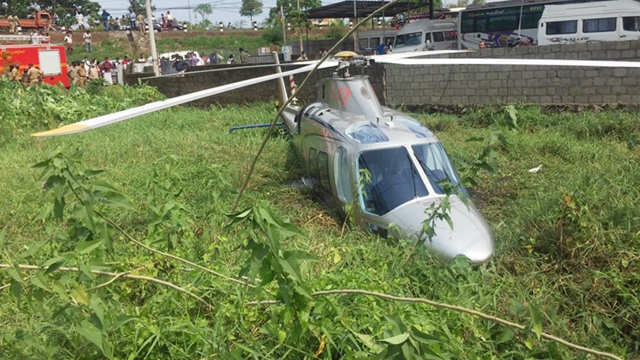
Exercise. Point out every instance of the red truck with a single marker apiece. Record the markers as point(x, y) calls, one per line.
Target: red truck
point(51, 59)
point(41, 20)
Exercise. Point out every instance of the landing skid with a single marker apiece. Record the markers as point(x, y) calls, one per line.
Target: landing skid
point(242, 127)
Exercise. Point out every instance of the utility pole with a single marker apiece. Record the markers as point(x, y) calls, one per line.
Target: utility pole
point(190, 23)
point(284, 28)
point(152, 40)
point(300, 29)
point(355, 34)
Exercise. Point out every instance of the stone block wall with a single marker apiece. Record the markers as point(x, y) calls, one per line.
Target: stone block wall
point(502, 84)
point(205, 77)
point(448, 85)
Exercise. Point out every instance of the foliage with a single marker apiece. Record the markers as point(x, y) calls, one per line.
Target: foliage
point(566, 261)
point(251, 8)
point(140, 6)
point(30, 109)
point(203, 10)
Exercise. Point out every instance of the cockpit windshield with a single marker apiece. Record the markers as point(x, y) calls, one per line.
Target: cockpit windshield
point(387, 179)
point(435, 163)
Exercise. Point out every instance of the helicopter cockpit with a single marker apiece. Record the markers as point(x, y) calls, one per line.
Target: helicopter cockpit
point(389, 177)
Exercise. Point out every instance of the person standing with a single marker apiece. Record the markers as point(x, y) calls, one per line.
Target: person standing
point(106, 68)
point(12, 26)
point(169, 20)
point(68, 40)
point(140, 20)
point(105, 19)
point(88, 42)
point(80, 19)
point(244, 56)
point(73, 73)
point(15, 74)
point(34, 75)
point(94, 72)
point(82, 75)
point(164, 21)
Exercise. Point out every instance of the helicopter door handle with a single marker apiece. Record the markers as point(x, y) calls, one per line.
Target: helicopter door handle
point(623, 36)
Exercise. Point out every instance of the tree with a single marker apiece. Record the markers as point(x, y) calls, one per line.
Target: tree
point(140, 6)
point(291, 13)
point(251, 8)
point(60, 7)
point(203, 10)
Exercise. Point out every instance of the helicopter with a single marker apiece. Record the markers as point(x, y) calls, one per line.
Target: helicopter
point(383, 165)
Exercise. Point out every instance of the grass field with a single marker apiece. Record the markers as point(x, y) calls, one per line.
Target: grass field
point(567, 262)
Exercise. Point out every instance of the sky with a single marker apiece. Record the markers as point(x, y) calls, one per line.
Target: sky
point(223, 10)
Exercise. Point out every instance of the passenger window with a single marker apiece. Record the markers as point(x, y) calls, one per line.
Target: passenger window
point(343, 180)
point(427, 37)
point(438, 36)
point(323, 171)
point(450, 35)
point(374, 42)
point(313, 162)
point(599, 25)
point(631, 23)
point(562, 27)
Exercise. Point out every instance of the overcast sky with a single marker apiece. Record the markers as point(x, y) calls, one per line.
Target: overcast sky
point(223, 10)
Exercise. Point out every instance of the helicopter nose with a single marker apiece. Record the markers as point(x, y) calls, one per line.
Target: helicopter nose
point(470, 235)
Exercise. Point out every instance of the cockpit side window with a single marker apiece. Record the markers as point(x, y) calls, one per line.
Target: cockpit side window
point(387, 179)
point(436, 165)
point(343, 180)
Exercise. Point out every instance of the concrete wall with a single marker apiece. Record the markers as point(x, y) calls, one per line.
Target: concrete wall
point(451, 85)
point(488, 84)
point(201, 77)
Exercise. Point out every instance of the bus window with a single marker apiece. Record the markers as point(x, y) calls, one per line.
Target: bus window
point(498, 23)
point(450, 36)
point(631, 23)
point(562, 27)
point(374, 42)
point(598, 25)
point(438, 36)
point(364, 43)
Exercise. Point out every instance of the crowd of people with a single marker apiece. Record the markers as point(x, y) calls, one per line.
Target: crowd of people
point(31, 76)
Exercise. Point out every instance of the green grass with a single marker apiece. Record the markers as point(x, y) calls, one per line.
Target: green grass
point(203, 43)
point(568, 243)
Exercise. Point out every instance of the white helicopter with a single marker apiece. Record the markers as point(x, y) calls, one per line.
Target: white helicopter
point(384, 165)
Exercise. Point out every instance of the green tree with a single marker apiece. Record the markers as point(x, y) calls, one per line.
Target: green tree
point(140, 6)
point(251, 8)
point(63, 7)
point(296, 17)
point(203, 10)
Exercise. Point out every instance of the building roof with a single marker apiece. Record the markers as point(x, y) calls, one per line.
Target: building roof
point(363, 8)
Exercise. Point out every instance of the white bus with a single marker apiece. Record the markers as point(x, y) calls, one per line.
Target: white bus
point(426, 34)
point(501, 24)
point(593, 21)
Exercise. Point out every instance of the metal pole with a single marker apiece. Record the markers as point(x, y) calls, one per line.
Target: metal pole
point(355, 34)
point(190, 23)
point(284, 28)
point(152, 40)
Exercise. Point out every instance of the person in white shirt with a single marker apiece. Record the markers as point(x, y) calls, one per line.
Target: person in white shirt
point(88, 42)
point(80, 19)
point(169, 20)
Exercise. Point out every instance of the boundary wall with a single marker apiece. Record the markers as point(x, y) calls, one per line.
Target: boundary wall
point(449, 85)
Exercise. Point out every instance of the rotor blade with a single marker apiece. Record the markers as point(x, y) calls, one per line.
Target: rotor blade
point(159, 105)
point(415, 53)
point(521, 62)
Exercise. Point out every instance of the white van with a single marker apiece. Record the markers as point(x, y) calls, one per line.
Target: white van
point(171, 55)
point(591, 21)
point(426, 35)
point(371, 40)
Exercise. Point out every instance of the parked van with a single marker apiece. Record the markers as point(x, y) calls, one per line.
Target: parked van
point(371, 40)
point(426, 35)
point(591, 21)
